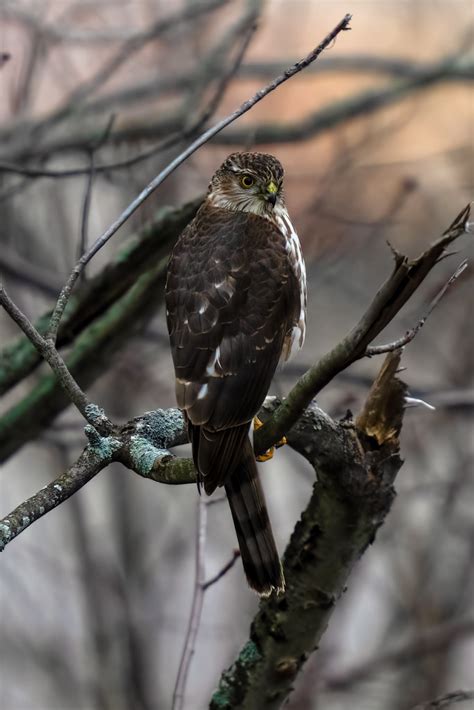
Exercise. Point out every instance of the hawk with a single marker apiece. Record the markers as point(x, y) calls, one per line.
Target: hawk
point(235, 305)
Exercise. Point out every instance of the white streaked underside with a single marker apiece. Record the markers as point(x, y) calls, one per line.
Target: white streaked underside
point(295, 340)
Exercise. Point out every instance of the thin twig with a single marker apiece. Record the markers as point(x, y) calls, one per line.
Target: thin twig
point(148, 457)
point(390, 298)
point(196, 608)
point(340, 112)
point(432, 641)
point(223, 571)
point(446, 701)
point(90, 413)
point(410, 334)
point(90, 181)
point(88, 465)
point(171, 167)
point(244, 28)
point(28, 273)
point(123, 55)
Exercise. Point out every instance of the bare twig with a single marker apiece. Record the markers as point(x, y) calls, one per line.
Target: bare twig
point(167, 469)
point(123, 54)
point(90, 412)
point(27, 272)
point(363, 103)
point(228, 566)
point(433, 641)
point(391, 297)
point(171, 167)
point(196, 608)
point(446, 701)
point(90, 180)
point(88, 465)
point(200, 587)
point(141, 445)
point(410, 334)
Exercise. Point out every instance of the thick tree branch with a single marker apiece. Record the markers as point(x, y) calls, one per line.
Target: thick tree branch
point(90, 353)
point(391, 297)
point(350, 500)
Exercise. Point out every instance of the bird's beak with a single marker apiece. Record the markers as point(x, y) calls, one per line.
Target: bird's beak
point(271, 193)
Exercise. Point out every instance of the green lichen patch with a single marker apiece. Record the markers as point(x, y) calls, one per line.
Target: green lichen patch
point(161, 427)
point(143, 454)
point(104, 447)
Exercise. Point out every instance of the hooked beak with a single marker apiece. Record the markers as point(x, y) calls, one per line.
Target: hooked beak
point(271, 193)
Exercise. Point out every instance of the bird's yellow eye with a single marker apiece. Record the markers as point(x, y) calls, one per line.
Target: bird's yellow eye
point(247, 181)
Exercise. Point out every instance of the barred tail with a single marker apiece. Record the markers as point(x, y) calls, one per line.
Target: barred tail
point(252, 525)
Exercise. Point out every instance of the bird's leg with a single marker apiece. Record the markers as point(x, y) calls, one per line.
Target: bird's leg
point(257, 423)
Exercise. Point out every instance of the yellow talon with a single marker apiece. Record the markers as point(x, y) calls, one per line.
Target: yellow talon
point(257, 423)
point(266, 456)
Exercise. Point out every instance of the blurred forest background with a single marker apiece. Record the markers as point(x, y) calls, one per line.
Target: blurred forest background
point(377, 143)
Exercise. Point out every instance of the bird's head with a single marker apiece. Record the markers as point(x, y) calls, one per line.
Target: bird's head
point(248, 182)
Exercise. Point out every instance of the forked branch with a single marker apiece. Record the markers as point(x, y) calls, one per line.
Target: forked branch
point(391, 297)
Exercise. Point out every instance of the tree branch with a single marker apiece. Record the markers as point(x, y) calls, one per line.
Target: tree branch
point(88, 358)
point(90, 413)
point(335, 114)
point(410, 334)
point(171, 167)
point(92, 300)
point(351, 497)
point(446, 701)
point(432, 641)
point(92, 460)
point(141, 445)
point(391, 297)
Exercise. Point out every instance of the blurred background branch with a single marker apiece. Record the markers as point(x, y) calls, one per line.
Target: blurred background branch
point(377, 145)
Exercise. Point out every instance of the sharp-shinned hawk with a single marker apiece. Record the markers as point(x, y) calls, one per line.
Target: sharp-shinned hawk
point(236, 304)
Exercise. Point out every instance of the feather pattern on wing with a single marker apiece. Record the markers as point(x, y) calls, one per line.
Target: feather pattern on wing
point(230, 301)
point(235, 303)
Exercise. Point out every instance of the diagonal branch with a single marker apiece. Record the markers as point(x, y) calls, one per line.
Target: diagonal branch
point(171, 167)
point(92, 301)
point(90, 413)
point(431, 641)
point(141, 445)
point(391, 297)
point(362, 103)
point(410, 334)
point(447, 701)
point(88, 465)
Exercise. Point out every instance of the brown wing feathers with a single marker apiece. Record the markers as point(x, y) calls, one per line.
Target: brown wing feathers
point(229, 307)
